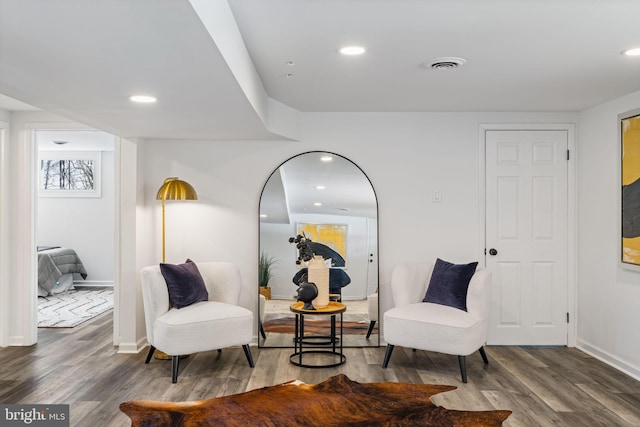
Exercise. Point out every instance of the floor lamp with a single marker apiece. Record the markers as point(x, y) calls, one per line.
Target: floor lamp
point(174, 189)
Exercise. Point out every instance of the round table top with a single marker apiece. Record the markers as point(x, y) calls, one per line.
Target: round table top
point(333, 308)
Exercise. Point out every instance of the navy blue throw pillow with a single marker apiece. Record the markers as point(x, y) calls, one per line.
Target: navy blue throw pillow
point(185, 284)
point(449, 284)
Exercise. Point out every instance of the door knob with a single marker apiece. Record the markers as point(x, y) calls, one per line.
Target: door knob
point(493, 252)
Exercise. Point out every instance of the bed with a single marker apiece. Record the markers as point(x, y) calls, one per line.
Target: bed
point(56, 269)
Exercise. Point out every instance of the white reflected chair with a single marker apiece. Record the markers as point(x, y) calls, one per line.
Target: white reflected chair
point(434, 327)
point(203, 326)
point(372, 302)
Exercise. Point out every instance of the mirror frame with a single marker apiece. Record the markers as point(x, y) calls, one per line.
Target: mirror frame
point(377, 341)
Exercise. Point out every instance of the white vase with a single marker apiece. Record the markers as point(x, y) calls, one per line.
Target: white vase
point(318, 273)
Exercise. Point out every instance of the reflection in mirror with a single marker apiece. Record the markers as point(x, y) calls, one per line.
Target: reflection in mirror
point(331, 200)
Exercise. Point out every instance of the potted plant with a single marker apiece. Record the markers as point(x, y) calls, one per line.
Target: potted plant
point(265, 272)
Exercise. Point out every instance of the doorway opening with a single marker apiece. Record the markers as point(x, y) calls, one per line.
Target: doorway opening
point(74, 225)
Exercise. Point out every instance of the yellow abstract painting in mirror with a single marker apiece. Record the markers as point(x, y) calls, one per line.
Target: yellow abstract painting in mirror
point(332, 235)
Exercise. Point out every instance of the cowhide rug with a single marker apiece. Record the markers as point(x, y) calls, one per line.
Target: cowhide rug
point(337, 401)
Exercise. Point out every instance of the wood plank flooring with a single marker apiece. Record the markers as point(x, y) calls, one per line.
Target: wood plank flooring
point(542, 386)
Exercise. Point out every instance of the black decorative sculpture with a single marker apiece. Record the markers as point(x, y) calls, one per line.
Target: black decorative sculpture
point(307, 292)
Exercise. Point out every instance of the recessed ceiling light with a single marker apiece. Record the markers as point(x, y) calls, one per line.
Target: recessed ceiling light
point(352, 50)
point(59, 142)
point(320, 187)
point(143, 99)
point(326, 158)
point(631, 52)
point(317, 204)
point(263, 215)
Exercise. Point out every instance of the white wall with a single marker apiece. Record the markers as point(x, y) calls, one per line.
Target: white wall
point(407, 156)
point(608, 296)
point(84, 224)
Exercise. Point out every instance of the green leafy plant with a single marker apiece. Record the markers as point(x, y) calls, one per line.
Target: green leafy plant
point(265, 269)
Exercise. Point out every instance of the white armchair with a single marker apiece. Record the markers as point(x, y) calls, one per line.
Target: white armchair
point(434, 327)
point(214, 324)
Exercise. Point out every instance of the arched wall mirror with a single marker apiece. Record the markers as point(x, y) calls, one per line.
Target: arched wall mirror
point(331, 199)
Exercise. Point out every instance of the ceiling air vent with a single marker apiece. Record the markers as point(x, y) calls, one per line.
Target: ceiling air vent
point(447, 63)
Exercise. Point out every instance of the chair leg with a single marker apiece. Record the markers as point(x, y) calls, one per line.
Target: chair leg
point(175, 361)
point(463, 368)
point(247, 352)
point(387, 355)
point(484, 356)
point(152, 349)
point(371, 325)
point(264, 336)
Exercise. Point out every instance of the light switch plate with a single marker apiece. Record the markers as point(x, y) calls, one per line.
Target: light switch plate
point(437, 197)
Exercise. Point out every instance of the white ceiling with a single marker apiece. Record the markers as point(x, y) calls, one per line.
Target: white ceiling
point(73, 140)
point(292, 189)
point(522, 55)
point(82, 59)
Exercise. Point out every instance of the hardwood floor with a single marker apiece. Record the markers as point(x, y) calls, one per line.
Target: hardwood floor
point(542, 386)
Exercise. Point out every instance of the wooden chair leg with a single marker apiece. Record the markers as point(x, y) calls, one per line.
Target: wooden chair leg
point(387, 355)
point(152, 349)
point(371, 325)
point(175, 361)
point(484, 356)
point(247, 352)
point(463, 368)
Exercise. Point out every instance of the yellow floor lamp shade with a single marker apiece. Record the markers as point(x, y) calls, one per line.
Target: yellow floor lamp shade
point(174, 189)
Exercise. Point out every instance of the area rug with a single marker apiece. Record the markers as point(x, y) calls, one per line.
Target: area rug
point(286, 325)
point(73, 307)
point(337, 401)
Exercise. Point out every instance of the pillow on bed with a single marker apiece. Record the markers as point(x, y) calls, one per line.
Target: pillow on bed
point(185, 284)
point(449, 283)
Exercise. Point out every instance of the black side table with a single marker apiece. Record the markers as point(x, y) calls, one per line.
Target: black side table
point(335, 353)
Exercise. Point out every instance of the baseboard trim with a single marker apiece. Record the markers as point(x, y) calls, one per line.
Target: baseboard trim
point(20, 341)
point(93, 283)
point(609, 359)
point(133, 348)
point(16, 341)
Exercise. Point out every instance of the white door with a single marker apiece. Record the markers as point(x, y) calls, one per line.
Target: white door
point(527, 236)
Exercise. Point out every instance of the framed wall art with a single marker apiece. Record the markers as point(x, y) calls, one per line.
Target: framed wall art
point(69, 173)
point(630, 189)
point(333, 236)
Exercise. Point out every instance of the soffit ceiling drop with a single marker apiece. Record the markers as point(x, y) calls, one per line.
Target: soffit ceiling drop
point(82, 59)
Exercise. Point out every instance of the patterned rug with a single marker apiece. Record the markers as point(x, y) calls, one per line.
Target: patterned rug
point(73, 307)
